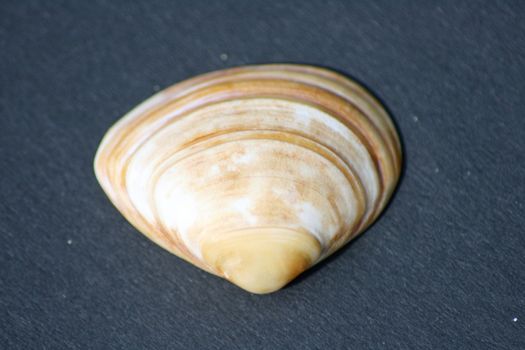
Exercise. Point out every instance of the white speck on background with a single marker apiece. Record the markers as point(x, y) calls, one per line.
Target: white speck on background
point(69, 241)
point(515, 319)
point(223, 57)
point(415, 119)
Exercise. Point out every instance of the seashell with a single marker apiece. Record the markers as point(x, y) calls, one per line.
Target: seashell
point(253, 173)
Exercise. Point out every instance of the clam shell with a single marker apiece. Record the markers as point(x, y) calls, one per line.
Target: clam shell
point(254, 173)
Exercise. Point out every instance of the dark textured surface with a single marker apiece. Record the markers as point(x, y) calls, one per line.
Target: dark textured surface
point(442, 268)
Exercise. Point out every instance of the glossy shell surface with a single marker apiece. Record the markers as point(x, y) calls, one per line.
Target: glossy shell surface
point(253, 173)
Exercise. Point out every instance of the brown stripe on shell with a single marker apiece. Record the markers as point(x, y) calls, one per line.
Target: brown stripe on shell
point(286, 92)
point(256, 94)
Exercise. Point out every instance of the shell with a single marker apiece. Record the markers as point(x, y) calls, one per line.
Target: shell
point(253, 173)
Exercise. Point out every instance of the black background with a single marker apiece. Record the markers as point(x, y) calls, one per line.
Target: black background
point(442, 268)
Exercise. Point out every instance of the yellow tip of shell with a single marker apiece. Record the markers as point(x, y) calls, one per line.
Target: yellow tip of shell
point(261, 260)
